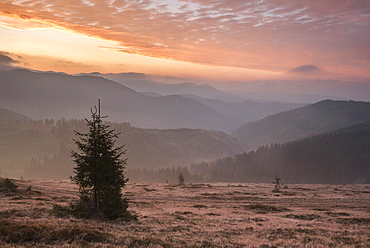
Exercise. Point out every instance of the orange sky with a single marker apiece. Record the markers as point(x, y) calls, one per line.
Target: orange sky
point(212, 39)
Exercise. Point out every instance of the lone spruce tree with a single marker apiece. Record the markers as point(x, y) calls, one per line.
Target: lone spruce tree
point(181, 179)
point(99, 171)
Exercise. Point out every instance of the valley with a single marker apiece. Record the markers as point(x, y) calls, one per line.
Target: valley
point(184, 124)
point(176, 128)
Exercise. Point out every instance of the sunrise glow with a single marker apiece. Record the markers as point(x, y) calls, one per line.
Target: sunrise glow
point(215, 40)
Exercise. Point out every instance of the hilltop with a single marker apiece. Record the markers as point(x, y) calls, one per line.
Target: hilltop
point(303, 122)
point(10, 116)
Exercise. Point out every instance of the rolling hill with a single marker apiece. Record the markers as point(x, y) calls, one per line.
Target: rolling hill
point(46, 147)
point(302, 122)
point(10, 116)
point(337, 157)
point(246, 111)
point(42, 95)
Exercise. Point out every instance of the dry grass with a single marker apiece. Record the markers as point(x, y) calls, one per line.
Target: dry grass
point(200, 215)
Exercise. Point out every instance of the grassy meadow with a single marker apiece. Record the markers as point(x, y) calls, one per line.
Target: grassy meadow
point(193, 215)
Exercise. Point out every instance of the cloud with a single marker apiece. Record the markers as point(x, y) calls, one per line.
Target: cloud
point(305, 69)
point(246, 34)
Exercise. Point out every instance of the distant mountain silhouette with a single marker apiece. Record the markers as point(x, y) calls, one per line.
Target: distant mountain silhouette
point(10, 116)
point(302, 122)
point(54, 95)
point(143, 83)
point(246, 111)
point(235, 106)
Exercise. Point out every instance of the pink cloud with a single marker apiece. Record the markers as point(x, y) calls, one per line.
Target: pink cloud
point(273, 35)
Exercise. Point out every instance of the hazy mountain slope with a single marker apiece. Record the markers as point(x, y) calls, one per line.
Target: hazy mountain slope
point(338, 157)
point(144, 83)
point(176, 112)
point(55, 95)
point(354, 128)
point(20, 142)
point(177, 147)
point(303, 122)
point(246, 111)
point(10, 116)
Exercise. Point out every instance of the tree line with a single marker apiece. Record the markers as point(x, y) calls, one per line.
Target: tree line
point(329, 158)
point(339, 157)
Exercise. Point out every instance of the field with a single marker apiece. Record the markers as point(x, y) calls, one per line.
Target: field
point(193, 215)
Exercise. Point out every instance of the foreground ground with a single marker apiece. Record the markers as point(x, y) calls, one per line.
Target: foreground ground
point(197, 215)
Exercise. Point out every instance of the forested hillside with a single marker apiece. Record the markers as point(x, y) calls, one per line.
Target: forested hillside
point(10, 116)
point(303, 122)
point(42, 148)
point(337, 157)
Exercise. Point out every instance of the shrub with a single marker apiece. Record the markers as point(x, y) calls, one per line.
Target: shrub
point(181, 179)
point(18, 233)
point(8, 185)
point(277, 184)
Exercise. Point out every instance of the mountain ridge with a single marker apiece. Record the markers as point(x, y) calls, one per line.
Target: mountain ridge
point(246, 111)
point(53, 95)
point(340, 156)
point(302, 122)
point(144, 83)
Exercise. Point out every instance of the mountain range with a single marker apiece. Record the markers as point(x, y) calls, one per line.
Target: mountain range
point(145, 83)
point(303, 122)
point(163, 85)
point(146, 148)
point(176, 125)
point(53, 95)
point(246, 111)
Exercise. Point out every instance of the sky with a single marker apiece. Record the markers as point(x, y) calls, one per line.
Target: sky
point(234, 41)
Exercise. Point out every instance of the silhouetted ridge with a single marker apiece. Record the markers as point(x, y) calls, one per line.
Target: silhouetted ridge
point(54, 95)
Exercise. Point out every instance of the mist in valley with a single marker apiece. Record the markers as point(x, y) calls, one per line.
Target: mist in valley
point(193, 131)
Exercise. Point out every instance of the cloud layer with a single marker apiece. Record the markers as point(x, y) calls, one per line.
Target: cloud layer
point(266, 35)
